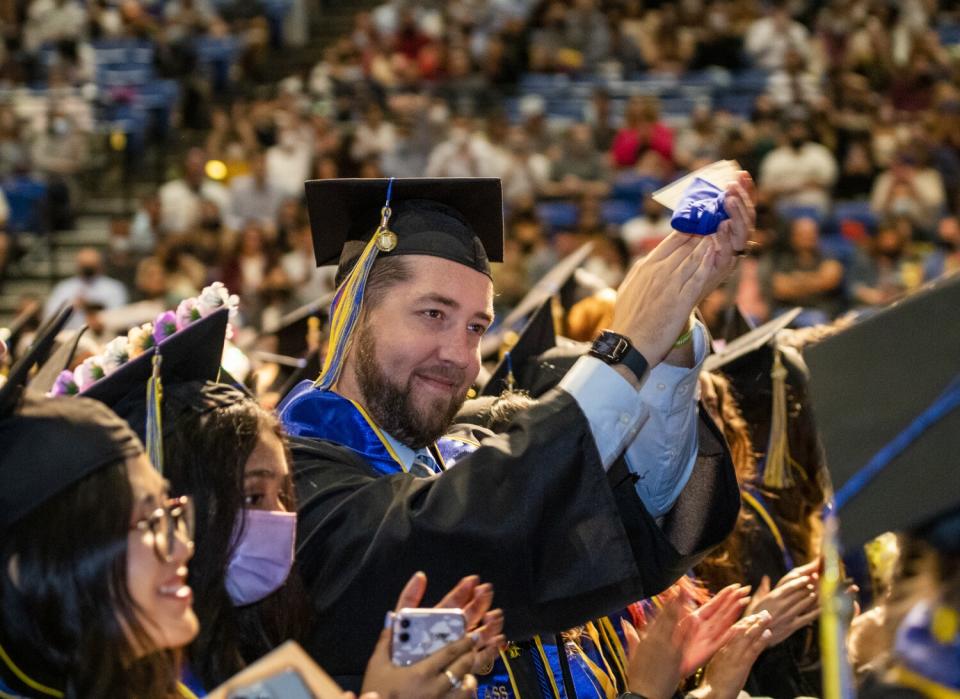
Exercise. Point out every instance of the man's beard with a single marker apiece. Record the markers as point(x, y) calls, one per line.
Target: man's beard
point(393, 407)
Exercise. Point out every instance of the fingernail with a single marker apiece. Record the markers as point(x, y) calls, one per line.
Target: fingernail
point(475, 637)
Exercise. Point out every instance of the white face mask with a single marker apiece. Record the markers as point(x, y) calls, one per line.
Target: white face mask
point(262, 555)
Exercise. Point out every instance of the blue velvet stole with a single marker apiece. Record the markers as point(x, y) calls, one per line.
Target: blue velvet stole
point(310, 412)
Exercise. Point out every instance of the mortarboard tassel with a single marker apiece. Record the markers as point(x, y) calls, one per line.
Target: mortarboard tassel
point(779, 462)
point(346, 306)
point(835, 614)
point(154, 430)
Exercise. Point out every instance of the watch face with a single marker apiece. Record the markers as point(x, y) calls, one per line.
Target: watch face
point(612, 346)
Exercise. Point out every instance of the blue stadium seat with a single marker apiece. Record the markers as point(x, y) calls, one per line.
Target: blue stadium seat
point(216, 55)
point(750, 80)
point(26, 198)
point(738, 104)
point(558, 215)
point(949, 34)
point(634, 189)
point(618, 211)
point(839, 249)
point(854, 211)
point(789, 212)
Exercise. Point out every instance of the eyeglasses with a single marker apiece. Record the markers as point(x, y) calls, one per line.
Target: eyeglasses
point(166, 523)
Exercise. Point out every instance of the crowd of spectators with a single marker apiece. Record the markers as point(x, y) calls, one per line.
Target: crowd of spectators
point(847, 112)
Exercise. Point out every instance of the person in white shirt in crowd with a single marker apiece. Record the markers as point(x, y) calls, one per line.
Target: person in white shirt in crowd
point(910, 189)
point(88, 287)
point(769, 38)
point(374, 136)
point(463, 154)
point(795, 83)
point(800, 172)
point(309, 282)
point(288, 162)
point(53, 20)
point(180, 199)
point(525, 171)
point(254, 196)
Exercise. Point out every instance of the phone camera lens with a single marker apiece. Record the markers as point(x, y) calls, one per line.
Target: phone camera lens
point(404, 637)
point(405, 624)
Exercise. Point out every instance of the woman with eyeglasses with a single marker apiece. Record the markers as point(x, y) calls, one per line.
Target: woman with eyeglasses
point(229, 455)
point(93, 557)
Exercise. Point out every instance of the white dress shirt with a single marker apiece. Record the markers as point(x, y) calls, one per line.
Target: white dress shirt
point(656, 426)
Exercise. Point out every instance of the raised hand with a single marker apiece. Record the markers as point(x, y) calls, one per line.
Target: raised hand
point(443, 674)
point(793, 602)
point(655, 655)
point(727, 672)
point(733, 234)
point(715, 620)
point(475, 599)
point(659, 292)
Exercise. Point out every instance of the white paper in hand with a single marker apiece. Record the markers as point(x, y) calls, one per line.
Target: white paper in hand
point(720, 173)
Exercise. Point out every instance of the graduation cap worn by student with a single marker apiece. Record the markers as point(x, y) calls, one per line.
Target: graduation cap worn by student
point(49, 444)
point(886, 393)
point(135, 388)
point(298, 337)
point(356, 221)
point(553, 282)
point(769, 381)
point(891, 460)
point(538, 335)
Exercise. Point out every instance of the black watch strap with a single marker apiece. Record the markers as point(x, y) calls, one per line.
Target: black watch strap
point(614, 348)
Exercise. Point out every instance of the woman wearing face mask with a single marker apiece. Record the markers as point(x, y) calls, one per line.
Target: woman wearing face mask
point(93, 554)
point(229, 455)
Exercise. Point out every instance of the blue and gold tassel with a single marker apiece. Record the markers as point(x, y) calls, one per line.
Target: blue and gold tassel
point(347, 303)
point(154, 435)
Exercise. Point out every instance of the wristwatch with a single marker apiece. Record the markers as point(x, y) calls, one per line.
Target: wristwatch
point(614, 348)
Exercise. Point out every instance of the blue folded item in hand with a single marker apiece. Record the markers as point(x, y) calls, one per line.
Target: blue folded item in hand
point(700, 210)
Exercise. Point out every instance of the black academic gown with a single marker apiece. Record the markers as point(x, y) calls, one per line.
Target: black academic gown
point(531, 511)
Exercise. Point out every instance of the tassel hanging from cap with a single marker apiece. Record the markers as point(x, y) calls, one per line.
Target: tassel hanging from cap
point(777, 472)
point(346, 306)
point(154, 436)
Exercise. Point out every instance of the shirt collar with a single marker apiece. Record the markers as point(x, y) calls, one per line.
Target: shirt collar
point(403, 452)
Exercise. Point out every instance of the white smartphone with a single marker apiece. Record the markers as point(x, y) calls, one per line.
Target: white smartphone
point(418, 633)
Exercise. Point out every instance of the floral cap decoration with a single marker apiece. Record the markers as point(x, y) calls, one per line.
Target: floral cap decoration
point(142, 338)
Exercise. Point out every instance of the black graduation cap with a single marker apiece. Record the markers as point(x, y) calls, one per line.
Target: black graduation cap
point(45, 378)
point(291, 330)
point(548, 286)
point(538, 335)
point(869, 384)
point(456, 218)
point(769, 382)
point(190, 354)
point(37, 353)
point(743, 346)
point(733, 324)
point(48, 444)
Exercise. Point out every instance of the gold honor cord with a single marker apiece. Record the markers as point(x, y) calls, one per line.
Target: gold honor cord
point(25, 678)
point(765, 516)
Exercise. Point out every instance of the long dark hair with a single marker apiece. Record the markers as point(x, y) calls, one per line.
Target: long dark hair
point(205, 456)
point(725, 564)
point(67, 617)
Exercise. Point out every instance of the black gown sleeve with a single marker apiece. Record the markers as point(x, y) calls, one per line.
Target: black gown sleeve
point(531, 511)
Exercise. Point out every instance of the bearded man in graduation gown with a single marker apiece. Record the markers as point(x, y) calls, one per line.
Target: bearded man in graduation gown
point(551, 512)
